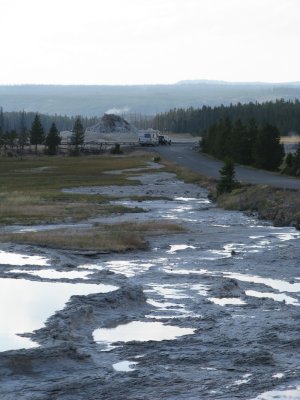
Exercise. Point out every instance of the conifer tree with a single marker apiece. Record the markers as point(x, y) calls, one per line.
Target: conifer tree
point(268, 151)
point(37, 135)
point(227, 180)
point(77, 138)
point(53, 140)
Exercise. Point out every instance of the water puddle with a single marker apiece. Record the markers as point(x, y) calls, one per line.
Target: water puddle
point(26, 305)
point(189, 199)
point(177, 247)
point(169, 291)
point(287, 394)
point(227, 301)
point(22, 259)
point(43, 228)
point(164, 305)
point(53, 274)
point(245, 379)
point(125, 366)
point(168, 310)
point(277, 284)
point(140, 331)
point(187, 271)
point(285, 236)
point(128, 268)
point(275, 296)
point(278, 376)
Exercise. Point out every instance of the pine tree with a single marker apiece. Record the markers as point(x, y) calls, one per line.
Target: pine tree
point(268, 151)
point(23, 134)
point(227, 180)
point(1, 119)
point(53, 140)
point(77, 138)
point(37, 135)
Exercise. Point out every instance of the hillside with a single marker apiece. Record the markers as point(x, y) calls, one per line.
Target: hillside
point(144, 99)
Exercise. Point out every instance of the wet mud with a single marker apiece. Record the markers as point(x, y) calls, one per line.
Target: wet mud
point(210, 313)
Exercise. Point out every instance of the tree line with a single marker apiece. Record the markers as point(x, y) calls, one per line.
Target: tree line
point(247, 144)
point(37, 135)
point(17, 120)
point(285, 115)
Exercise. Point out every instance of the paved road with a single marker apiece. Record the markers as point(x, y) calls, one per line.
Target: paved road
point(184, 155)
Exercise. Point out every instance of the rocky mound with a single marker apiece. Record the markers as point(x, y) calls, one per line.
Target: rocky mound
point(112, 128)
point(111, 123)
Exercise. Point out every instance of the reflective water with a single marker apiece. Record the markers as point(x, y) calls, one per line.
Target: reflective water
point(11, 258)
point(26, 305)
point(140, 331)
point(245, 379)
point(278, 376)
point(290, 394)
point(277, 284)
point(53, 274)
point(125, 366)
point(177, 247)
point(274, 296)
point(227, 301)
point(128, 268)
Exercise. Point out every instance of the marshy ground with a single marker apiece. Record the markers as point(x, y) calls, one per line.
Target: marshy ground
point(209, 309)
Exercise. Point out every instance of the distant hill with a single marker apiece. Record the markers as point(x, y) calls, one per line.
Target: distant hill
point(145, 99)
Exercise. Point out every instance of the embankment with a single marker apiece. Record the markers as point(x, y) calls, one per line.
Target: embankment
point(281, 206)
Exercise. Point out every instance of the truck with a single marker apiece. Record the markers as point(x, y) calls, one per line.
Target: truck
point(164, 139)
point(149, 137)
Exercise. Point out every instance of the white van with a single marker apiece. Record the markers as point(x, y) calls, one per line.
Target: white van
point(148, 138)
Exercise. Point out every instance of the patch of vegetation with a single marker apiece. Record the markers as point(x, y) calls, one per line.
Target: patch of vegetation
point(101, 237)
point(227, 180)
point(292, 163)
point(116, 149)
point(30, 189)
point(247, 144)
point(282, 206)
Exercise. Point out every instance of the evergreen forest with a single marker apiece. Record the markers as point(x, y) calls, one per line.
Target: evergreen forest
point(20, 120)
point(285, 115)
point(248, 144)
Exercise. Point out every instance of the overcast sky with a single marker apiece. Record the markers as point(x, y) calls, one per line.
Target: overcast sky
point(148, 41)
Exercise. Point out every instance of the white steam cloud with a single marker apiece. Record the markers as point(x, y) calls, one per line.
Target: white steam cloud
point(117, 111)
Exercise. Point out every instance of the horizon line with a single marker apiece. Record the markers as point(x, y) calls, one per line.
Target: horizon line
point(180, 82)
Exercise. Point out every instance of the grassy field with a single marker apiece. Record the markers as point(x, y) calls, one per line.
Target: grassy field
point(112, 237)
point(31, 193)
point(30, 189)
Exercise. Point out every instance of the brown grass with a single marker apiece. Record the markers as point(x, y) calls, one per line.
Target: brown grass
point(116, 237)
point(188, 176)
point(30, 189)
point(282, 206)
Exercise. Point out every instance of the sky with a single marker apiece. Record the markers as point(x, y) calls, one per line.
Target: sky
point(148, 41)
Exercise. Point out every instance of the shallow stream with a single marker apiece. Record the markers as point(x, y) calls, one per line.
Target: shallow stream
point(210, 313)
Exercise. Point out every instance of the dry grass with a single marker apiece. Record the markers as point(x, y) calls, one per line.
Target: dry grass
point(30, 189)
point(282, 206)
point(116, 237)
point(30, 193)
point(188, 176)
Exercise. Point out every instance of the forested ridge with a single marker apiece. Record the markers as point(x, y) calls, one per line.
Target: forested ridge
point(91, 100)
point(285, 115)
point(20, 120)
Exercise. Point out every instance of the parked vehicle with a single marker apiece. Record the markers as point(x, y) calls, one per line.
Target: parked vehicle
point(164, 139)
point(149, 137)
